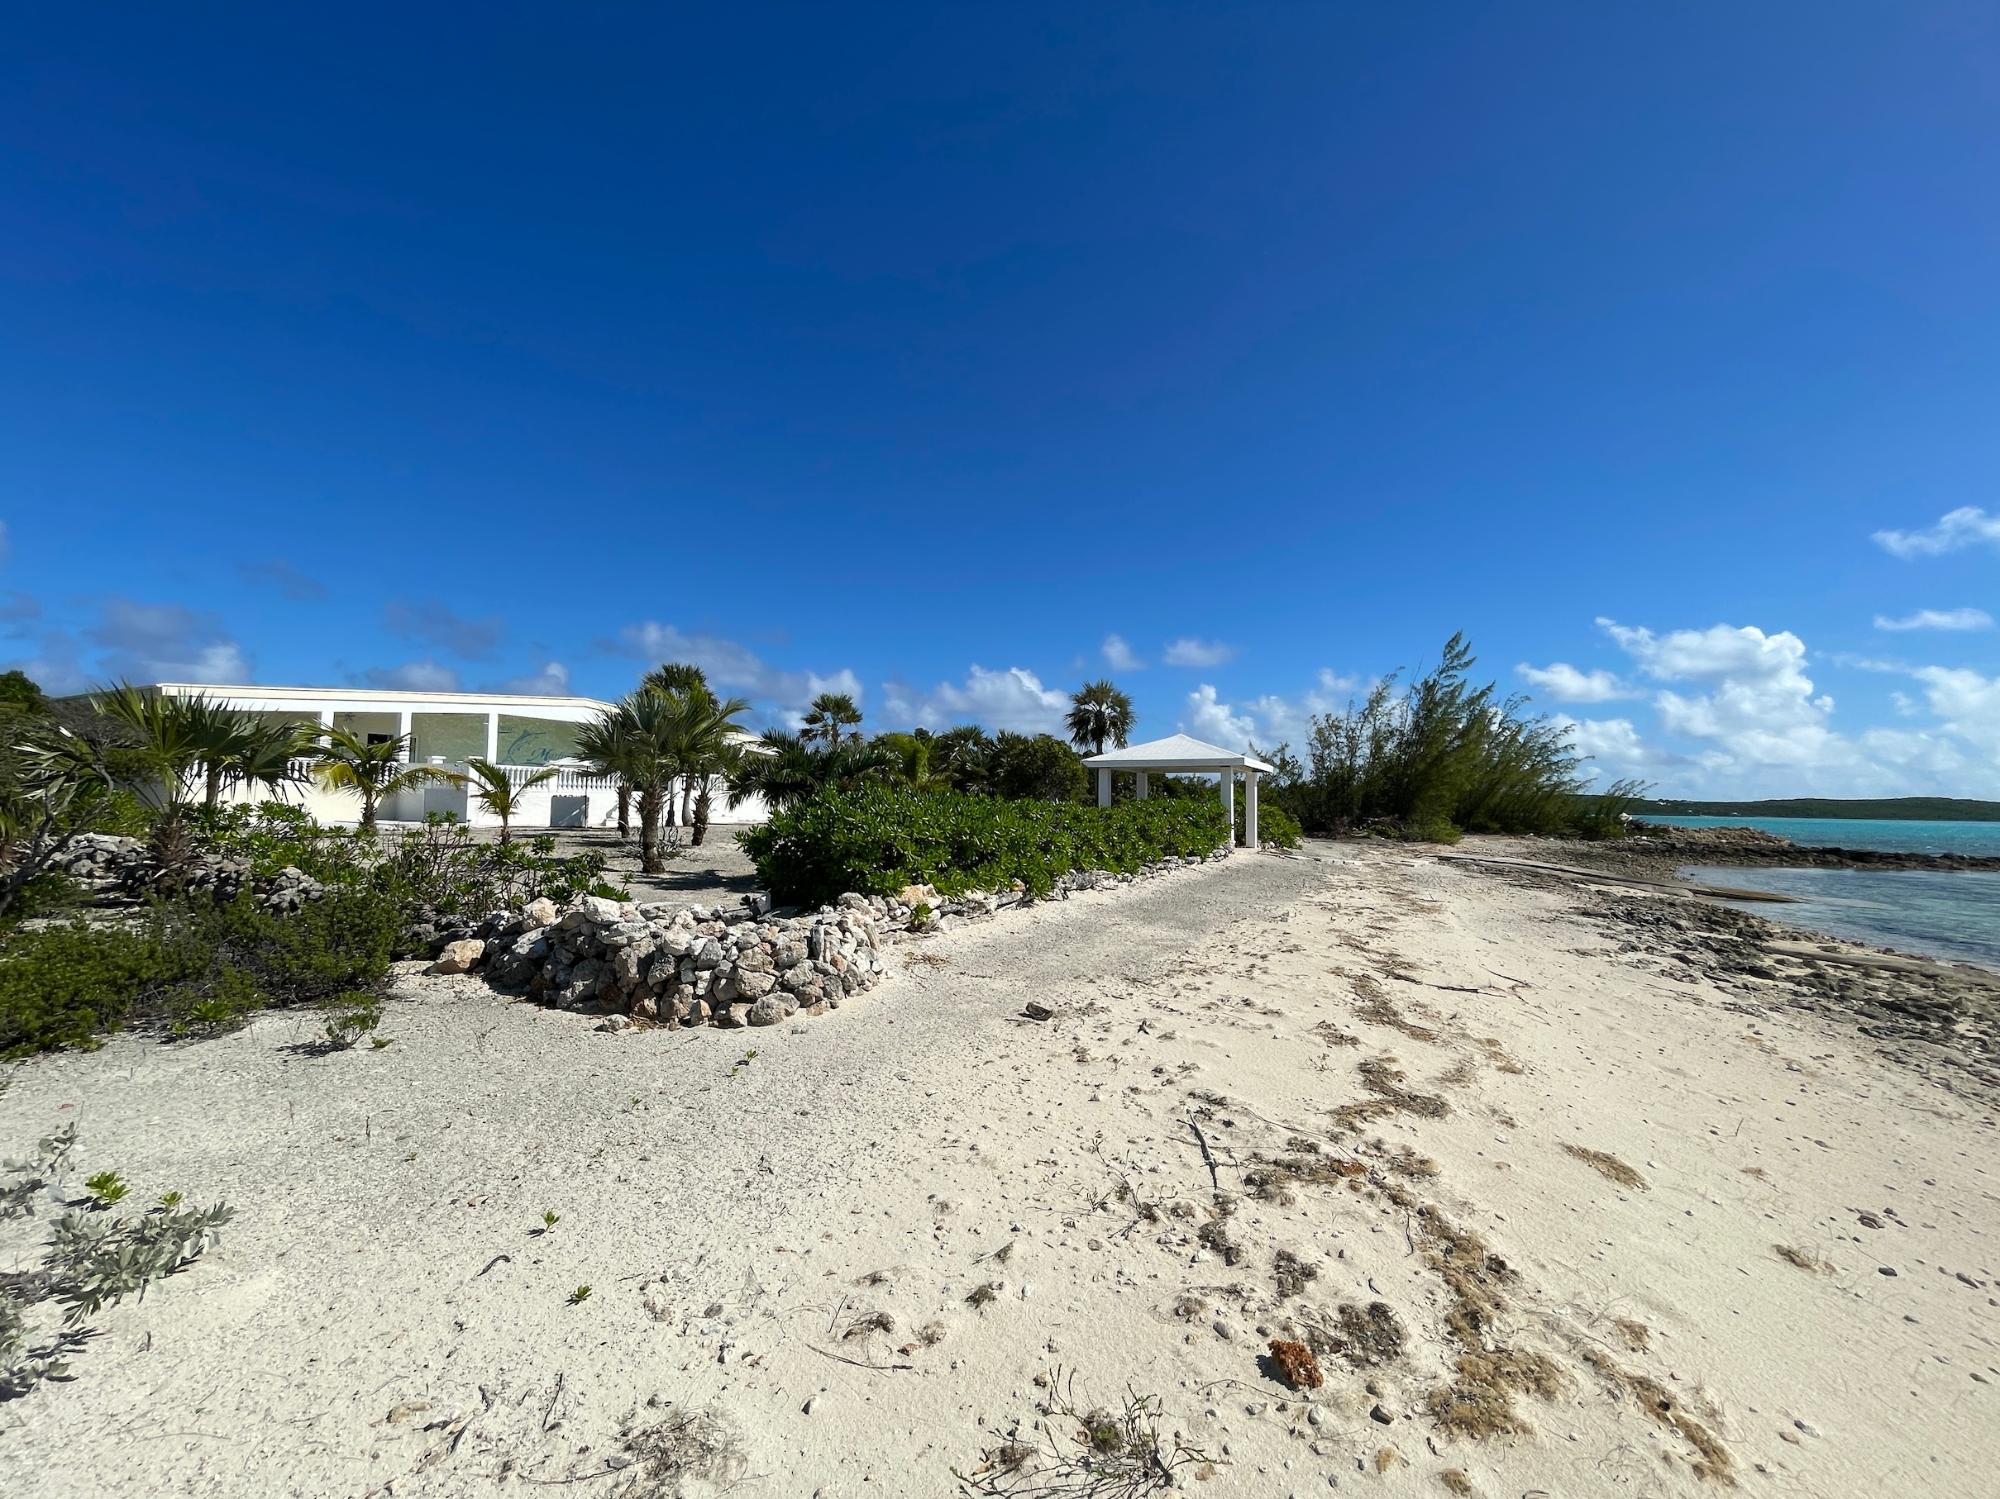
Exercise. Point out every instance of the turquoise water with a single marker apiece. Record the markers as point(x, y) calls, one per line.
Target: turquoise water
point(1857, 832)
point(1936, 913)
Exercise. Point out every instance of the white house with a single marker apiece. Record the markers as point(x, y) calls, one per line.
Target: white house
point(519, 732)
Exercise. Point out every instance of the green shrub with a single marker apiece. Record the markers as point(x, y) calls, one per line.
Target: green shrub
point(62, 985)
point(1274, 824)
point(191, 967)
point(877, 839)
point(351, 1016)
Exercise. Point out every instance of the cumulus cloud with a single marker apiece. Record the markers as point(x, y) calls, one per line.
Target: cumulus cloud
point(1209, 718)
point(1967, 526)
point(732, 667)
point(429, 622)
point(412, 676)
point(164, 643)
point(1569, 684)
point(1119, 656)
point(1187, 651)
point(1938, 619)
point(1268, 720)
point(285, 578)
point(1011, 699)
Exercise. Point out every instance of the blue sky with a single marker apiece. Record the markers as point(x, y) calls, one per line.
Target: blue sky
point(952, 355)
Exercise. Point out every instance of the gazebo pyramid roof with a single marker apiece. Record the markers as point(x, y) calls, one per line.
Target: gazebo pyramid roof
point(1175, 752)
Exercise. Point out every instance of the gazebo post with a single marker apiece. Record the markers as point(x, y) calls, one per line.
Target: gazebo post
point(1226, 779)
point(1142, 787)
point(1250, 779)
point(1103, 788)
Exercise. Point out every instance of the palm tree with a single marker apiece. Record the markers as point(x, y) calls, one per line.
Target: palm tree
point(709, 749)
point(689, 680)
point(238, 750)
point(918, 765)
point(490, 786)
point(790, 768)
point(1099, 714)
point(829, 716)
point(602, 742)
point(657, 738)
point(372, 772)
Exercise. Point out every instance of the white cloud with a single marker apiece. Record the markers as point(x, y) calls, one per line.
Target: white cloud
point(1967, 526)
point(1613, 747)
point(1215, 721)
point(1569, 684)
point(1188, 651)
point(1966, 702)
point(1011, 699)
point(412, 676)
point(1938, 619)
point(1266, 721)
point(551, 681)
point(1119, 656)
point(732, 667)
point(165, 643)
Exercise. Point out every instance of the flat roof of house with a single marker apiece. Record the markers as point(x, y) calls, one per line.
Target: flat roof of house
point(1175, 752)
point(377, 695)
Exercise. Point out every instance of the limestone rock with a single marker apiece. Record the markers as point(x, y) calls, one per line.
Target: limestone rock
point(459, 957)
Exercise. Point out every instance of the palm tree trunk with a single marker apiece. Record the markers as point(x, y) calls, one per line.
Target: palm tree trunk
point(701, 810)
point(650, 861)
point(212, 791)
point(624, 810)
point(506, 832)
point(367, 806)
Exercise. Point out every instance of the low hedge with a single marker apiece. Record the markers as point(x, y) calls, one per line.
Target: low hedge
point(188, 968)
point(878, 839)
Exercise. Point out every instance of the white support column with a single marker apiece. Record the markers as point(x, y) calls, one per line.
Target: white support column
point(1227, 778)
point(409, 749)
point(1142, 785)
point(1250, 779)
point(493, 737)
point(1104, 787)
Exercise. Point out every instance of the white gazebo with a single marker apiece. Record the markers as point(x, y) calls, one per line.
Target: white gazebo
point(1179, 754)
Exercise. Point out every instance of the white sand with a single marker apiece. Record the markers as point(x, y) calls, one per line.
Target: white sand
point(345, 1341)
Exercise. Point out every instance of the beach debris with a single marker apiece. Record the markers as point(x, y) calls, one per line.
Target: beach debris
point(1087, 1450)
point(1456, 1481)
point(1297, 1364)
point(1291, 1274)
point(985, 1295)
point(1036, 1011)
point(1801, 1259)
point(1370, 1336)
point(1607, 1166)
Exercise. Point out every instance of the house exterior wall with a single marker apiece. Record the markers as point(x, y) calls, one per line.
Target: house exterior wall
point(520, 733)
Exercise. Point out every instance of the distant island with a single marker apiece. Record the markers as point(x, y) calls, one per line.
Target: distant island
point(1899, 808)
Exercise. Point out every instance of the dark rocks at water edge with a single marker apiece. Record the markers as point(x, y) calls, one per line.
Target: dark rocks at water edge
point(103, 861)
point(1664, 845)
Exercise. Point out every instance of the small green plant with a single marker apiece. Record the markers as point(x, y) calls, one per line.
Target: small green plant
point(580, 1295)
point(378, 1042)
point(350, 1017)
point(106, 1188)
point(170, 1200)
point(550, 1218)
point(743, 1061)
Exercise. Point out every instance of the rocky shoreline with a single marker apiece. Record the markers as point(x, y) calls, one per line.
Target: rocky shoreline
point(1661, 849)
point(1938, 1018)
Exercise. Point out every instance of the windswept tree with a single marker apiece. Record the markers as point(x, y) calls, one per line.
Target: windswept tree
point(829, 717)
point(373, 772)
point(491, 786)
point(1099, 714)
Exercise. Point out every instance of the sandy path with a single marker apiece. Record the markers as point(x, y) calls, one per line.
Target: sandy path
point(739, 1227)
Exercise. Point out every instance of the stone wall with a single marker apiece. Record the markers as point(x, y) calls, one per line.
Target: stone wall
point(104, 861)
point(692, 965)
